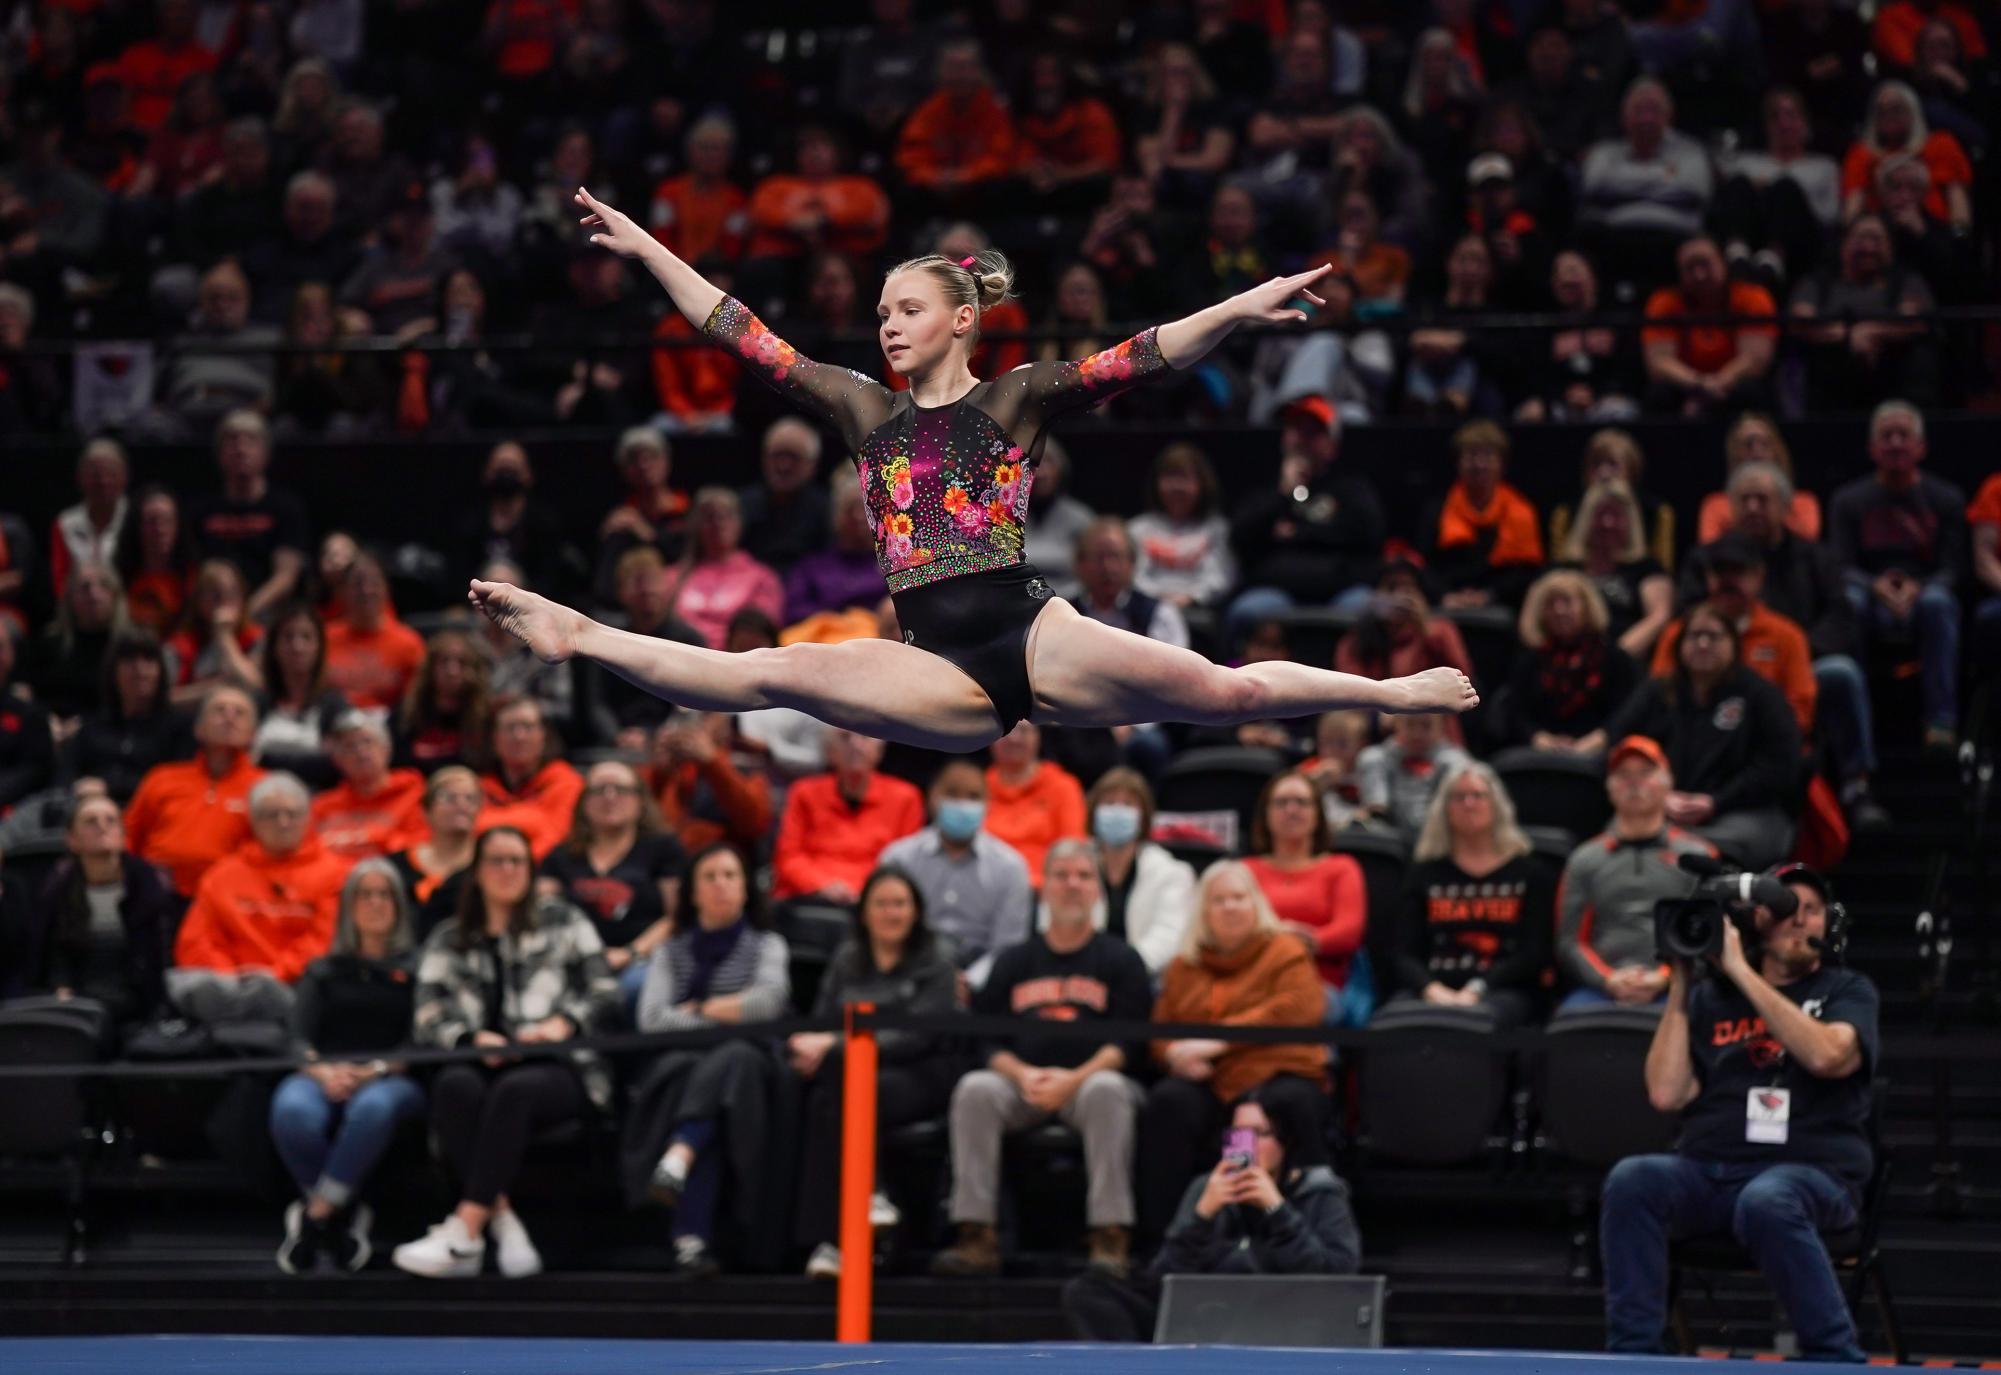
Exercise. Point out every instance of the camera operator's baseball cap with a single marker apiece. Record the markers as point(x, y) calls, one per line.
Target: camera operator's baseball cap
point(1807, 876)
point(1636, 746)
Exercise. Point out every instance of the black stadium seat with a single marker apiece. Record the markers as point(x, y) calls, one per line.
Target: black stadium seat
point(1553, 788)
point(1594, 1094)
point(1312, 633)
point(1225, 778)
point(1432, 1086)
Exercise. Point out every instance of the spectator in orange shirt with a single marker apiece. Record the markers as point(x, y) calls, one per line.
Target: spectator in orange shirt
point(1899, 23)
point(1697, 370)
point(1896, 124)
point(817, 205)
point(1754, 438)
point(704, 796)
point(702, 213)
point(837, 823)
point(261, 915)
point(186, 816)
point(1031, 803)
point(1484, 536)
point(959, 142)
point(1068, 143)
point(374, 808)
point(372, 657)
point(156, 559)
point(695, 385)
point(528, 787)
point(1379, 270)
point(1770, 645)
point(154, 69)
point(214, 644)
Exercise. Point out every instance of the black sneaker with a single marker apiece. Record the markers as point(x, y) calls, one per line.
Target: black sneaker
point(299, 1252)
point(1865, 813)
point(351, 1245)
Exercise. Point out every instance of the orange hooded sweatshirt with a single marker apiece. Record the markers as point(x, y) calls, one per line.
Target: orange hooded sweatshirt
point(1034, 815)
point(1270, 981)
point(255, 909)
point(825, 839)
point(357, 827)
point(184, 820)
point(544, 807)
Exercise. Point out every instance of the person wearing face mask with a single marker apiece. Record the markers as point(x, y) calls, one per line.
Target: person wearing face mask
point(977, 894)
point(1147, 890)
point(507, 522)
point(836, 823)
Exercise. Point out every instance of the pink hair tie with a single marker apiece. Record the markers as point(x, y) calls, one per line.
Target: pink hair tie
point(967, 261)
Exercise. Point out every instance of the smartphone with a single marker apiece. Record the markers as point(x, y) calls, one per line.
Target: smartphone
point(1240, 1147)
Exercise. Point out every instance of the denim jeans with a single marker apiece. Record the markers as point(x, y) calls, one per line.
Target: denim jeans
point(1987, 638)
point(1845, 717)
point(1585, 998)
point(1777, 1212)
point(328, 1147)
point(1256, 604)
point(1934, 624)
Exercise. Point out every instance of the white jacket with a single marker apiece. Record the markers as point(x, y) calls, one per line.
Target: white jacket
point(1157, 911)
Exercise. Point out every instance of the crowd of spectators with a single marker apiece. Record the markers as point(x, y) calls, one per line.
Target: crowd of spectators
point(285, 805)
point(351, 180)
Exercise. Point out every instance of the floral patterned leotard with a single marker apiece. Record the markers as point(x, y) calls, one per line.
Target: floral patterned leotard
point(945, 487)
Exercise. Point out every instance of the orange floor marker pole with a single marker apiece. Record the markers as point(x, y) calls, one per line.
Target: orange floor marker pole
point(855, 1297)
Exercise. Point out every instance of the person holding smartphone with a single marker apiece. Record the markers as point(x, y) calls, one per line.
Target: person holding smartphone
point(1271, 1206)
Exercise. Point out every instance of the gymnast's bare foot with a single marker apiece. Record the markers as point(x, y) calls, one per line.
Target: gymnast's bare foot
point(550, 630)
point(1435, 689)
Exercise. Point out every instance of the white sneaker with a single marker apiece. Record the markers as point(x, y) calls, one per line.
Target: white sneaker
point(518, 1258)
point(882, 1214)
point(447, 1251)
point(826, 1262)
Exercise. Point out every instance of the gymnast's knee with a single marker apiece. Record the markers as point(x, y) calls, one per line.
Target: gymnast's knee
point(1235, 697)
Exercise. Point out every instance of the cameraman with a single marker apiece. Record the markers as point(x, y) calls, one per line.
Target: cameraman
point(1769, 1066)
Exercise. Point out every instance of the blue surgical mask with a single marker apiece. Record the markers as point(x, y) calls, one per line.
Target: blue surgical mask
point(959, 818)
point(1115, 823)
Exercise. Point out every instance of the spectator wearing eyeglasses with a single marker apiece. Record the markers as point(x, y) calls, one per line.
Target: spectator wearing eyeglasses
point(186, 816)
point(621, 868)
point(437, 860)
point(529, 786)
point(374, 805)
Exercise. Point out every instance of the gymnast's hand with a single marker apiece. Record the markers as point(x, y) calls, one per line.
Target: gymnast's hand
point(616, 229)
point(1274, 300)
point(1435, 689)
point(551, 631)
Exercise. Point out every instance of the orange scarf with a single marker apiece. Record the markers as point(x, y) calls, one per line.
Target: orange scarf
point(1509, 518)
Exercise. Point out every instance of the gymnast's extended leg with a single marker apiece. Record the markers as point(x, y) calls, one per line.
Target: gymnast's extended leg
point(881, 688)
point(1086, 673)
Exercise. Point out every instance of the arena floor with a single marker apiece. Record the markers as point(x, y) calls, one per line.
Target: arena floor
point(488, 1356)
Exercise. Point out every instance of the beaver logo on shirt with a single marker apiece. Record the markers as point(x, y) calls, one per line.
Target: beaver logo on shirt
point(1729, 713)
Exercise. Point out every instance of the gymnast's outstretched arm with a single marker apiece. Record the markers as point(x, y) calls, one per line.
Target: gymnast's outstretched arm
point(1185, 341)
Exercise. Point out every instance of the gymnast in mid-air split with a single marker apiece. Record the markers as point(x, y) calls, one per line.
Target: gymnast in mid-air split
point(945, 471)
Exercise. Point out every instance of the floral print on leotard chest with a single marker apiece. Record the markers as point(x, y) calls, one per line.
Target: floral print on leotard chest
point(946, 492)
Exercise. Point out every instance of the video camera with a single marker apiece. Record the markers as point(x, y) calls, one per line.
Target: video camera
point(1691, 928)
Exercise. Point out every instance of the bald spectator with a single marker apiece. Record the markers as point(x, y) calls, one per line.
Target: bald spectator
point(201, 381)
point(977, 893)
point(1900, 537)
point(310, 244)
point(186, 816)
point(259, 528)
point(838, 822)
point(1645, 191)
point(261, 915)
point(785, 514)
point(1105, 562)
point(1707, 369)
point(1031, 802)
point(375, 810)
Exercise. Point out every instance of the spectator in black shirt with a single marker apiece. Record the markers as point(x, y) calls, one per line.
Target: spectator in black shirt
point(620, 867)
point(1068, 973)
point(1311, 537)
point(511, 524)
point(786, 513)
point(1586, 371)
point(307, 246)
point(100, 927)
point(236, 211)
point(68, 668)
point(333, 1122)
point(1769, 1062)
point(259, 528)
point(1900, 538)
point(134, 727)
point(1572, 676)
point(1477, 909)
point(1731, 740)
